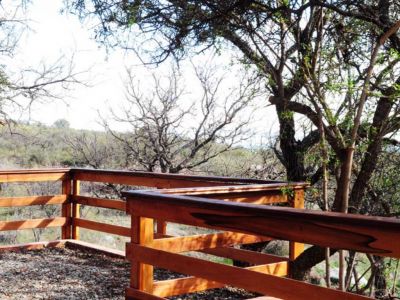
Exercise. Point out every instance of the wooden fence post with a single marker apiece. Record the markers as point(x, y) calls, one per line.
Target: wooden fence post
point(296, 201)
point(75, 209)
point(161, 227)
point(161, 224)
point(142, 233)
point(66, 209)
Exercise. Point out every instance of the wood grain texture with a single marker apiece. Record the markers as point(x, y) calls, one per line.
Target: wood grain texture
point(205, 241)
point(255, 193)
point(375, 235)
point(235, 189)
point(66, 231)
point(76, 188)
point(102, 227)
point(173, 287)
point(243, 278)
point(179, 286)
point(159, 180)
point(32, 200)
point(142, 233)
point(33, 223)
point(296, 201)
point(244, 255)
point(33, 175)
point(98, 202)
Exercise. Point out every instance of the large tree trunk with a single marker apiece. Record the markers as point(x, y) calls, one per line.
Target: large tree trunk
point(292, 152)
point(380, 283)
point(300, 268)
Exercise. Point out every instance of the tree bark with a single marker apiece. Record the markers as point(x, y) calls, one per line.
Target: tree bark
point(300, 268)
point(292, 151)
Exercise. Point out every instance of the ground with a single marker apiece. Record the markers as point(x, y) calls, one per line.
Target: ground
point(63, 273)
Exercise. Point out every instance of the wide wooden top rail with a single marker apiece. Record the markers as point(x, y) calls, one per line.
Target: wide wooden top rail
point(34, 175)
point(375, 235)
point(129, 178)
point(161, 180)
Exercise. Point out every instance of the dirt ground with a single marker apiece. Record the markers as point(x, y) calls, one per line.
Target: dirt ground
point(63, 273)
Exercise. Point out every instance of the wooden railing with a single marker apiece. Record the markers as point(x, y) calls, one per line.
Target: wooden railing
point(241, 222)
point(242, 210)
point(70, 199)
point(63, 198)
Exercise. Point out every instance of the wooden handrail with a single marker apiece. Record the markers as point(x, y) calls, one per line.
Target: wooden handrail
point(115, 175)
point(366, 234)
point(374, 235)
point(154, 175)
point(222, 188)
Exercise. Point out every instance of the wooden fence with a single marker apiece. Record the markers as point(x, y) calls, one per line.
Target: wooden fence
point(242, 210)
point(70, 199)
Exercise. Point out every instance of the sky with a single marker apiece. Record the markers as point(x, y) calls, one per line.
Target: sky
point(53, 35)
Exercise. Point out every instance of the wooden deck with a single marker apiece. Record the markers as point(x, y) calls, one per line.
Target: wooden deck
point(242, 210)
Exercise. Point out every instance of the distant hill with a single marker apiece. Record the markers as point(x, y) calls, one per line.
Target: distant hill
point(36, 145)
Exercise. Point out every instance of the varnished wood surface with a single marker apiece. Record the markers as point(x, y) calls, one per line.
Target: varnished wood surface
point(33, 177)
point(173, 287)
point(99, 202)
point(32, 200)
point(129, 177)
point(76, 188)
point(374, 235)
point(296, 201)
point(247, 279)
point(66, 231)
point(244, 255)
point(205, 241)
point(213, 191)
point(33, 223)
point(76, 173)
point(102, 227)
point(142, 233)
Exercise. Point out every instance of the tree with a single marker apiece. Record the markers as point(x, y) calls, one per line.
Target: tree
point(334, 62)
point(94, 149)
point(170, 132)
point(61, 124)
point(270, 35)
point(22, 86)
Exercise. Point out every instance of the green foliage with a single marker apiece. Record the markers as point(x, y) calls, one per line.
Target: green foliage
point(286, 115)
point(61, 124)
point(287, 191)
